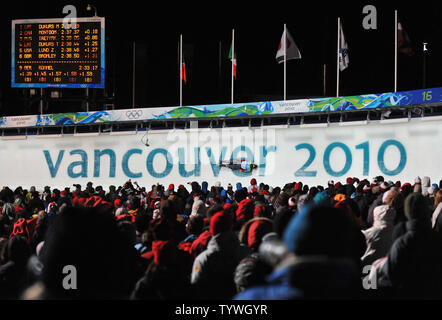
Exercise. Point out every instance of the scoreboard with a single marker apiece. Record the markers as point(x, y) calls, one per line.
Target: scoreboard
point(45, 54)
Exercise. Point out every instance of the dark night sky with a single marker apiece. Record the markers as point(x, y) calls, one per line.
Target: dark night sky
point(258, 30)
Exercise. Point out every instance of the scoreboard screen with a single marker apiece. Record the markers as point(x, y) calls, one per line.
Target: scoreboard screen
point(45, 54)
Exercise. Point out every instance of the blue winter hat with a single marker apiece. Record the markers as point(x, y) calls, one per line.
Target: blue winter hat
point(238, 186)
point(322, 198)
point(319, 230)
point(223, 193)
point(204, 186)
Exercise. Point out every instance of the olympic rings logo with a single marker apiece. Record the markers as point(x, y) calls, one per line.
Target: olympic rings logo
point(134, 114)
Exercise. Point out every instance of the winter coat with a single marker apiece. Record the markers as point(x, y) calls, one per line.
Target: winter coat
point(213, 270)
point(376, 202)
point(379, 236)
point(166, 276)
point(309, 277)
point(364, 201)
point(200, 244)
point(436, 219)
point(414, 263)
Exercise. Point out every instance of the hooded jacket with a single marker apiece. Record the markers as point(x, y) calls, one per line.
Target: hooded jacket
point(213, 269)
point(321, 263)
point(414, 262)
point(380, 236)
point(199, 207)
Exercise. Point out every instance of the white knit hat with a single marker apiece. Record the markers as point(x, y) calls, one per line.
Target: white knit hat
point(292, 202)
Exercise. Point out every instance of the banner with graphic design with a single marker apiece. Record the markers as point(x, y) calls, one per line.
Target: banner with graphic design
point(359, 102)
point(398, 151)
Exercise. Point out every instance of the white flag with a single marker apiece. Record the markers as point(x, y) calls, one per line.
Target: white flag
point(343, 52)
point(292, 50)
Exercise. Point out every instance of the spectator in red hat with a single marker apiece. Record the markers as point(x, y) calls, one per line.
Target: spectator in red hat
point(213, 269)
point(101, 255)
point(200, 244)
point(167, 275)
point(253, 231)
point(244, 212)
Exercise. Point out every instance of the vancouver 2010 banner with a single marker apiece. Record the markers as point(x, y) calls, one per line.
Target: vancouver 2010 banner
point(399, 150)
point(217, 111)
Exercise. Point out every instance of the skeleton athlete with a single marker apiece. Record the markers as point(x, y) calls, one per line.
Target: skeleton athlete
point(239, 164)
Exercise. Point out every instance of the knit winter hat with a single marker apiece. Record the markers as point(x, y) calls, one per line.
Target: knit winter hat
point(340, 197)
point(416, 207)
point(253, 181)
point(430, 190)
point(220, 222)
point(292, 202)
point(164, 252)
point(171, 186)
point(319, 230)
point(245, 209)
point(384, 186)
point(260, 211)
point(322, 198)
point(258, 229)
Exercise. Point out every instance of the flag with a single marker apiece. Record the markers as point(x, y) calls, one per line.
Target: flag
point(292, 51)
point(343, 51)
point(183, 72)
point(233, 59)
point(403, 41)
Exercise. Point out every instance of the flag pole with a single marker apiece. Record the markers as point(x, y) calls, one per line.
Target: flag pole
point(285, 62)
point(324, 83)
point(181, 70)
point(395, 49)
point(133, 75)
point(337, 62)
point(233, 58)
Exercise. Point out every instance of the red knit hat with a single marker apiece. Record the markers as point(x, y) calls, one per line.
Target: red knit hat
point(253, 181)
point(164, 252)
point(260, 211)
point(220, 222)
point(257, 231)
point(349, 180)
point(20, 228)
point(117, 202)
point(171, 186)
point(245, 209)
